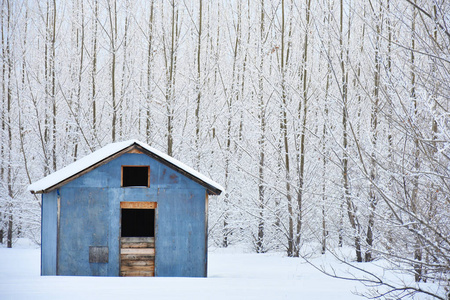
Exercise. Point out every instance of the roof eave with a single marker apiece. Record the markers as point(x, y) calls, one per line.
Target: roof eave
point(84, 171)
point(212, 190)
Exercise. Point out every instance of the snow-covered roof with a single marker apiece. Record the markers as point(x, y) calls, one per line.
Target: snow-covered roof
point(72, 171)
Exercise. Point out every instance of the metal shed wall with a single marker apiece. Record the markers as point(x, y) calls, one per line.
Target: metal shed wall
point(49, 216)
point(90, 216)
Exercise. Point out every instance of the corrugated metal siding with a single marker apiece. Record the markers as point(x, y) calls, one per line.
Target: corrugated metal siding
point(90, 216)
point(180, 243)
point(49, 233)
point(84, 222)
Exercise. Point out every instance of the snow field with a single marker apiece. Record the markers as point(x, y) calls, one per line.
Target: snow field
point(232, 274)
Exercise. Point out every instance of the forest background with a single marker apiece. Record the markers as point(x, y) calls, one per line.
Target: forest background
point(326, 121)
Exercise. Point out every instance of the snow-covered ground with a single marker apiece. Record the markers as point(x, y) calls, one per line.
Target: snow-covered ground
point(232, 274)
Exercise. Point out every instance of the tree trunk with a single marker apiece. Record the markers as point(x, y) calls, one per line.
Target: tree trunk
point(77, 109)
point(9, 238)
point(416, 154)
point(374, 137)
point(123, 104)
point(262, 137)
point(53, 85)
point(302, 115)
point(231, 97)
point(171, 66)
point(199, 84)
point(3, 117)
point(284, 59)
point(112, 16)
point(148, 126)
point(351, 208)
point(94, 70)
point(325, 153)
point(8, 151)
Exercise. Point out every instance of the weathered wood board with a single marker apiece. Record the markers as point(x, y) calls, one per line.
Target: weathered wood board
point(138, 251)
point(138, 242)
point(137, 274)
point(137, 256)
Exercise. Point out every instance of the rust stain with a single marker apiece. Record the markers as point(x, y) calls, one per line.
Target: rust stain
point(173, 178)
point(135, 151)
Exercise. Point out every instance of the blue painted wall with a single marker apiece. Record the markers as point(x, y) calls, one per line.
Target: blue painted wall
point(90, 216)
point(48, 233)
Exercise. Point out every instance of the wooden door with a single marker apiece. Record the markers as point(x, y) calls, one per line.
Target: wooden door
point(137, 241)
point(137, 255)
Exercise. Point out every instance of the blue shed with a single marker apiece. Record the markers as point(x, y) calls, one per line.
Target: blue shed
point(125, 210)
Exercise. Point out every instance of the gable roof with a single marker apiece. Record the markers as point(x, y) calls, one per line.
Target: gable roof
point(108, 153)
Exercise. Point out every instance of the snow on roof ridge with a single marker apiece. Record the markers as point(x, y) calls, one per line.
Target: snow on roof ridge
point(103, 153)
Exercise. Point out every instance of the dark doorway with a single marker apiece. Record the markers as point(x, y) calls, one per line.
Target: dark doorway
point(135, 176)
point(138, 222)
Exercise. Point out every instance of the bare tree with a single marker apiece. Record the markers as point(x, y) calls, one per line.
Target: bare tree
point(150, 71)
point(170, 41)
point(300, 142)
point(374, 137)
point(285, 36)
point(262, 137)
point(351, 207)
point(232, 96)
point(7, 172)
point(113, 47)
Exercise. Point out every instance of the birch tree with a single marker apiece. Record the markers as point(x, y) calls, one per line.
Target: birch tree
point(150, 72)
point(170, 44)
point(7, 119)
point(113, 47)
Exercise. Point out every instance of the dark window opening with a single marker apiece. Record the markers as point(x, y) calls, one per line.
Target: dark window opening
point(135, 176)
point(138, 222)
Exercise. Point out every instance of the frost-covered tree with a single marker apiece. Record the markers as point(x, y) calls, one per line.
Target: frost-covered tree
point(327, 122)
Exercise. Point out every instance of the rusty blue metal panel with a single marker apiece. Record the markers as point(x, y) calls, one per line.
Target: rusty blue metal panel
point(180, 242)
point(90, 216)
point(49, 222)
point(84, 222)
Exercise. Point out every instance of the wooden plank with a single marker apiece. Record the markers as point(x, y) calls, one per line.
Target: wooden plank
point(138, 245)
point(137, 268)
point(138, 204)
point(138, 251)
point(136, 257)
point(130, 263)
point(137, 273)
point(137, 240)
